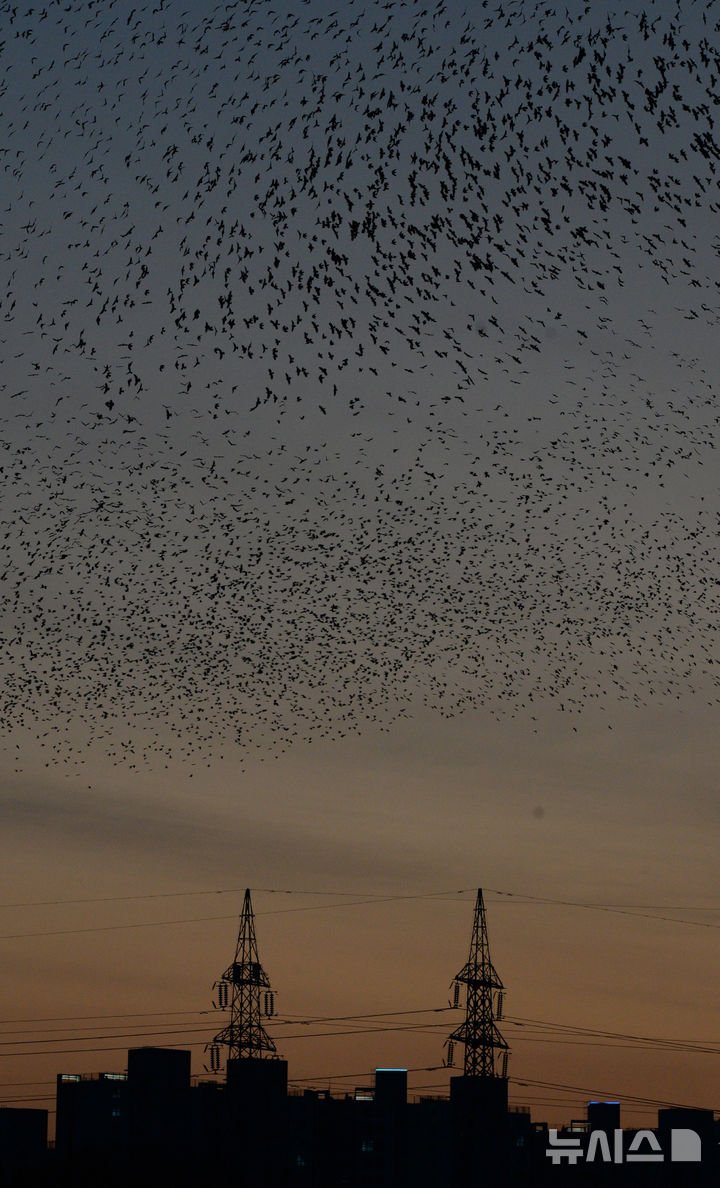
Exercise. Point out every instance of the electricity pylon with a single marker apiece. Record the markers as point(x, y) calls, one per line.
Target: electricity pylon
point(486, 1052)
point(245, 990)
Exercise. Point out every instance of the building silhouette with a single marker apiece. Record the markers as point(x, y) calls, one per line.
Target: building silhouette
point(151, 1124)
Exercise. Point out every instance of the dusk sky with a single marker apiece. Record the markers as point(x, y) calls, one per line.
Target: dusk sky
point(359, 534)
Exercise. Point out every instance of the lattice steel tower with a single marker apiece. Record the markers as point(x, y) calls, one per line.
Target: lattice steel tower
point(245, 989)
point(486, 1052)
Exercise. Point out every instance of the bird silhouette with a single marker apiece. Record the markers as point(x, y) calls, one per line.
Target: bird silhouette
point(354, 362)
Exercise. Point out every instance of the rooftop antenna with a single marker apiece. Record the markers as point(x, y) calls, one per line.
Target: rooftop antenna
point(486, 1052)
point(245, 991)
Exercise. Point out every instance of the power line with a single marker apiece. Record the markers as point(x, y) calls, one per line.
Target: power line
point(87, 1051)
point(206, 919)
point(213, 1011)
point(533, 1030)
point(308, 908)
point(364, 897)
point(111, 1035)
point(32, 1097)
point(380, 895)
point(619, 911)
point(118, 898)
point(571, 1029)
point(113, 927)
point(608, 1093)
point(84, 1018)
point(630, 1098)
point(304, 1035)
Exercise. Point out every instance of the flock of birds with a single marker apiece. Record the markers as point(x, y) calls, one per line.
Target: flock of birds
point(353, 362)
